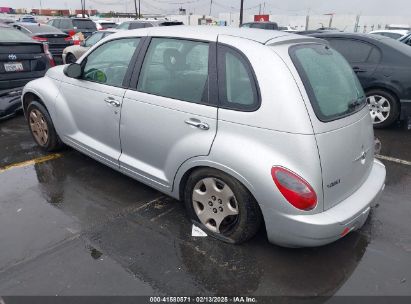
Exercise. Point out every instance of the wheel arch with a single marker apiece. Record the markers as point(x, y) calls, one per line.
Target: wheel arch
point(28, 97)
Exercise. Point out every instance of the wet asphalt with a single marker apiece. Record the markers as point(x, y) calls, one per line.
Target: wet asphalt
point(71, 226)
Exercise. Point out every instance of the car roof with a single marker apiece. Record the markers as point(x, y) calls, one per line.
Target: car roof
point(211, 33)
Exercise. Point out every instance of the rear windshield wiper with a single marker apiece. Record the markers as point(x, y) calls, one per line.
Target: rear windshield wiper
point(356, 102)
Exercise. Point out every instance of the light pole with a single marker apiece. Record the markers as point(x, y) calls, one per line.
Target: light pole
point(135, 7)
point(241, 12)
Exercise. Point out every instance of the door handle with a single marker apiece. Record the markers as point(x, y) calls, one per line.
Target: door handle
point(197, 123)
point(112, 101)
point(358, 70)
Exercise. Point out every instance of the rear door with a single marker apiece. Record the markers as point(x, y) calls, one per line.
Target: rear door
point(170, 115)
point(340, 118)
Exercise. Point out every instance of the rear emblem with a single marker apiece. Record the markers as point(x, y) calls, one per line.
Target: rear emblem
point(12, 57)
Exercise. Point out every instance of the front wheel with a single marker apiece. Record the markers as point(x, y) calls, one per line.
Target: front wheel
point(42, 128)
point(222, 205)
point(384, 108)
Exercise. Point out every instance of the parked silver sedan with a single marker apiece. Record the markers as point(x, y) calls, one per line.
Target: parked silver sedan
point(245, 126)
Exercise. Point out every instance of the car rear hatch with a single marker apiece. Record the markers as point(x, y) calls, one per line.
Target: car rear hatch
point(21, 62)
point(340, 119)
point(57, 42)
point(85, 26)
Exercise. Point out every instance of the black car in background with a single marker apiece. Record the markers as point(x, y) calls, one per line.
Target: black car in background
point(383, 66)
point(406, 39)
point(57, 40)
point(264, 25)
point(21, 59)
point(74, 25)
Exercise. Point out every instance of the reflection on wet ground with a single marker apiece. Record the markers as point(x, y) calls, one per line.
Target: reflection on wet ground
point(74, 226)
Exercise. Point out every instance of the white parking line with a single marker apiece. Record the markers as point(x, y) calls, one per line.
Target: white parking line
point(393, 159)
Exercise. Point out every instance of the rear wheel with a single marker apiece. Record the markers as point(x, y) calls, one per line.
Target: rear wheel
point(42, 128)
point(384, 108)
point(222, 204)
point(70, 58)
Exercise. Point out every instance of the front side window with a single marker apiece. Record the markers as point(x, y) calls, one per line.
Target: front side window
point(123, 26)
point(176, 69)
point(237, 86)
point(331, 84)
point(108, 63)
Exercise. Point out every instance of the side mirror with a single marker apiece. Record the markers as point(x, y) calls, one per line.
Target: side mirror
point(73, 70)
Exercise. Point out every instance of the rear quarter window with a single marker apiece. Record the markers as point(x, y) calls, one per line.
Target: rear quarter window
point(331, 84)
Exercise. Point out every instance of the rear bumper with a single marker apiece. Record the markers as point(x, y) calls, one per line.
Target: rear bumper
point(329, 226)
point(405, 108)
point(10, 102)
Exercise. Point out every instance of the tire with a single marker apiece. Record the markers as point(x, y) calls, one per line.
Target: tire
point(38, 120)
point(384, 108)
point(70, 58)
point(235, 228)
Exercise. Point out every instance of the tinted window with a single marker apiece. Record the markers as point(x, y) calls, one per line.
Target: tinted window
point(84, 24)
point(236, 81)
point(42, 29)
point(176, 69)
point(353, 50)
point(109, 62)
point(331, 84)
point(65, 24)
point(11, 35)
point(137, 25)
point(56, 23)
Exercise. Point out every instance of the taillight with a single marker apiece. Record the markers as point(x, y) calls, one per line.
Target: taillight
point(41, 39)
point(48, 54)
point(296, 190)
point(68, 38)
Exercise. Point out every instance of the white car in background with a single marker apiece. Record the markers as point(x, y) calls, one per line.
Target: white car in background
point(394, 34)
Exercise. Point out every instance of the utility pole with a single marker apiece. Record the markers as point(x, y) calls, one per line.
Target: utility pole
point(241, 12)
point(135, 7)
point(307, 20)
point(139, 9)
point(211, 7)
point(259, 9)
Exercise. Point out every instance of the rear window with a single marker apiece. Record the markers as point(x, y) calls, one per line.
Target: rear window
point(12, 35)
point(84, 24)
point(44, 29)
point(332, 86)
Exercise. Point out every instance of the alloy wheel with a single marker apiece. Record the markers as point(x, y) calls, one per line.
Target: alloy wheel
point(38, 126)
point(380, 108)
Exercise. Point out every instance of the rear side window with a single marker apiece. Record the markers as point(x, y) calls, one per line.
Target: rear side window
point(331, 84)
point(353, 50)
point(137, 25)
point(236, 81)
point(176, 69)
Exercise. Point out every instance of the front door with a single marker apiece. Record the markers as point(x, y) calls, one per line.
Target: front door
point(169, 117)
point(90, 117)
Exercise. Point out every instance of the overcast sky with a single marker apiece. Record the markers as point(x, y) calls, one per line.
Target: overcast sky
point(291, 7)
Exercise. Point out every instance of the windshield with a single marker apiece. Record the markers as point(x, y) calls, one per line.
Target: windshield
point(12, 35)
point(331, 84)
point(84, 24)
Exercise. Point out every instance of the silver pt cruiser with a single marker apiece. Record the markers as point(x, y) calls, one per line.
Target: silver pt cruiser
point(247, 127)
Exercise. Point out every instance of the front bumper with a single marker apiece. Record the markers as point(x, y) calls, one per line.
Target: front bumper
point(10, 102)
point(332, 224)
